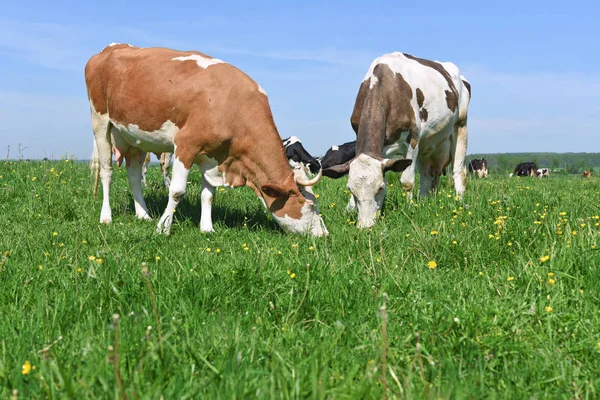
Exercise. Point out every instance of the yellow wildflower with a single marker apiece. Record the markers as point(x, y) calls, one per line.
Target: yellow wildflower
point(545, 258)
point(311, 248)
point(574, 233)
point(293, 275)
point(26, 368)
point(78, 269)
point(551, 281)
point(91, 258)
point(454, 242)
point(217, 250)
point(41, 267)
point(548, 309)
point(432, 264)
point(99, 260)
point(511, 278)
point(157, 258)
point(434, 232)
point(54, 233)
point(208, 249)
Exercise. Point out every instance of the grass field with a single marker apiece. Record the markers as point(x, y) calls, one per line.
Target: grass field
point(492, 296)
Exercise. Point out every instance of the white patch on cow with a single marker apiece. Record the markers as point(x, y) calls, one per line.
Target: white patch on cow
point(116, 44)
point(158, 141)
point(203, 62)
point(373, 82)
point(260, 89)
point(290, 141)
point(335, 148)
point(367, 184)
point(309, 222)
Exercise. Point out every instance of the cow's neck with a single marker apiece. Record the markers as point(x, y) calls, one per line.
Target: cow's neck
point(371, 130)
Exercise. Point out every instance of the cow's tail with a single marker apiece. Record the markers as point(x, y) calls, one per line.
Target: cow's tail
point(95, 168)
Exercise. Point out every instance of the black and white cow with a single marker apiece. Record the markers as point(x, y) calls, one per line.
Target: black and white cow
point(543, 173)
point(525, 169)
point(338, 155)
point(479, 167)
point(409, 114)
point(298, 156)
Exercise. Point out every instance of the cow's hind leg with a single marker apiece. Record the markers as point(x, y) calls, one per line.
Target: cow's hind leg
point(103, 153)
point(134, 160)
point(460, 151)
point(165, 164)
point(176, 193)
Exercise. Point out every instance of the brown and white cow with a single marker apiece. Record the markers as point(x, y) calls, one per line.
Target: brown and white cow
point(206, 112)
point(406, 107)
point(586, 174)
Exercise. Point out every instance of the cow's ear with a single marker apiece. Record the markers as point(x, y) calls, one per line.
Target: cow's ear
point(273, 190)
point(395, 164)
point(337, 171)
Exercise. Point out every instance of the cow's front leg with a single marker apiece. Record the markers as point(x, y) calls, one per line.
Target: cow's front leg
point(206, 199)
point(176, 193)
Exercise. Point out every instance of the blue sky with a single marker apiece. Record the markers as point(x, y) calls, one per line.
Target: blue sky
point(534, 66)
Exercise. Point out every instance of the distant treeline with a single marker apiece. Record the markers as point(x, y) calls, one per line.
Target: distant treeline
point(571, 163)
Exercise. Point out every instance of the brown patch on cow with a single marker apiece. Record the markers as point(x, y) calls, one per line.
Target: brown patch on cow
point(420, 97)
point(359, 104)
point(217, 109)
point(382, 114)
point(423, 114)
point(452, 94)
point(468, 86)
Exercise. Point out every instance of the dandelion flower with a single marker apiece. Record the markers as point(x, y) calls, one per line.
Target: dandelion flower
point(548, 309)
point(157, 258)
point(84, 241)
point(434, 232)
point(208, 249)
point(550, 274)
point(26, 368)
point(91, 258)
point(545, 258)
point(78, 269)
point(480, 273)
point(311, 248)
point(294, 245)
point(511, 278)
point(41, 267)
point(432, 264)
point(551, 281)
point(99, 260)
point(293, 275)
point(454, 242)
point(54, 233)
point(217, 250)
point(574, 233)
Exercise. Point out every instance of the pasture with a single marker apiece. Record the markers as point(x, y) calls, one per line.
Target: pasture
point(492, 296)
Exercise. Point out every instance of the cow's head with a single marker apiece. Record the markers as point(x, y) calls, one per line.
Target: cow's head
point(366, 182)
point(294, 206)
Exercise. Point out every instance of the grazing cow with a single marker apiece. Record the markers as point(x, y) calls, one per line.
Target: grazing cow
point(205, 111)
point(338, 155)
point(298, 156)
point(586, 174)
point(525, 169)
point(543, 173)
point(406, 107)
point(479, 167)
point(165, 164)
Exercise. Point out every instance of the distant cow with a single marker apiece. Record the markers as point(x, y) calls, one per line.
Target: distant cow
point(543, 173)
point(479, 167)
point(165, 165)
point(525, 169)
point(410, 114)
point(586, 174)
point(298, 156)
point(338, 155)
point(206, 112)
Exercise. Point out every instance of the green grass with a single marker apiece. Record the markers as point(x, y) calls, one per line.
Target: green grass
point(269, 315)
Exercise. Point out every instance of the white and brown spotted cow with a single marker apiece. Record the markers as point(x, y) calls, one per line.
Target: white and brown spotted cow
point(206, 112)
point(410, 108)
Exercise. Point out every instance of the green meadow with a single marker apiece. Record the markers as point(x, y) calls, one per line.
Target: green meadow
point(495, 295)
